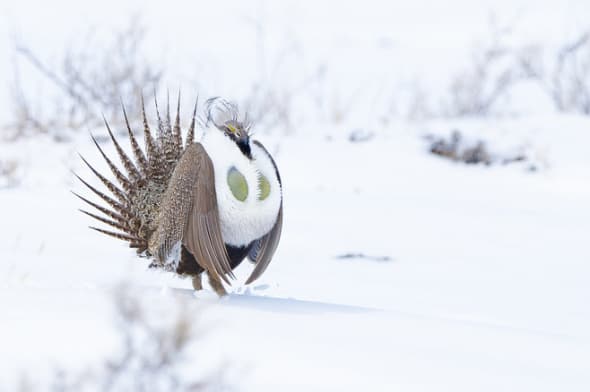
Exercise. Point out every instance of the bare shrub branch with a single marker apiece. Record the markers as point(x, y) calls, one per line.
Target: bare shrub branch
point(91, 79)
point(564, 74)
point(9, 173)
point(273, 96)
point(569, 83)
point(153, 355)
point(492, 72)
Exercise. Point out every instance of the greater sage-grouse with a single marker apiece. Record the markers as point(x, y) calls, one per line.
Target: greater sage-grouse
point(194, 206)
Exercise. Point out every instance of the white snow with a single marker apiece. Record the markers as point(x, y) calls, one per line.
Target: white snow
point(487, 283)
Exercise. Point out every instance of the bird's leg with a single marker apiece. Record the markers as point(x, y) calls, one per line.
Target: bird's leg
point(217, 286)
point(197, 285)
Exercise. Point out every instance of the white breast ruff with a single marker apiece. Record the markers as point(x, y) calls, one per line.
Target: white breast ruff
point(242, 222)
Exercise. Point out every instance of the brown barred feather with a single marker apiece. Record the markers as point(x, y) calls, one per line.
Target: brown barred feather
point(120, 236)
point(190, 138)
point(132, 171)
point(109, 222)
point(176, 131)
point(158, 165)
point(111, 187)
point(137, 153)
point(167, 142)
point(160, 122)
point(168, 124)
point(116, 172)
point(112, 202)
point(150, 144)
point(141, 247)
point(102, 209)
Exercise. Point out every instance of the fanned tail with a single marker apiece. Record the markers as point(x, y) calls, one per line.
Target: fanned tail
point(190, 137)
point(139, 156)
point(133, 209)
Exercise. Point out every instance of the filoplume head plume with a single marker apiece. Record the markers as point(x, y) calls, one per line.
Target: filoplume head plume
point(193, 207)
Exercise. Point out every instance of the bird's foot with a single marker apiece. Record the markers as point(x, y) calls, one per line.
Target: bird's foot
point(197, 284)
point(217, 286)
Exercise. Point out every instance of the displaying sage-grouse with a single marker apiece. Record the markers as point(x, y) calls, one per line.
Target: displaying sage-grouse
point(195, 206)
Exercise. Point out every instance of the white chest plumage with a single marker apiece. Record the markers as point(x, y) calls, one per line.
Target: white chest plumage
point(242, 221)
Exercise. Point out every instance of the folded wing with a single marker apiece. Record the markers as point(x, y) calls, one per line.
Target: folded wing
point(264, 249)
point(189, 215)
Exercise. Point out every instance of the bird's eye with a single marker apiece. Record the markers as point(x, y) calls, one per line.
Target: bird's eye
point(231, 128)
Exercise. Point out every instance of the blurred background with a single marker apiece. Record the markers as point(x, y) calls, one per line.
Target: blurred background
point(294, 63)
point(436, 167)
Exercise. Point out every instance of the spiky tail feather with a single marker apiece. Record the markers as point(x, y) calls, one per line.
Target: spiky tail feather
point(133, 208)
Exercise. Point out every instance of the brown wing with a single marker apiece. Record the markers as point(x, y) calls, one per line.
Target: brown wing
point(189, 214)
point(265, 248)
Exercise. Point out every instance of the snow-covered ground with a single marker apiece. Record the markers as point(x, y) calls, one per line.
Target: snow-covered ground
point(476, 278)
point(486, 287)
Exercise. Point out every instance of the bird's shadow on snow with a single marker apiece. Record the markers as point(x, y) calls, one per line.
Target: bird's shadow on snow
point(279, 305)
point(292, 305)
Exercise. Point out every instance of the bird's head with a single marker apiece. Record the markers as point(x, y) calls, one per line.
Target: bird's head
point(225, 117)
